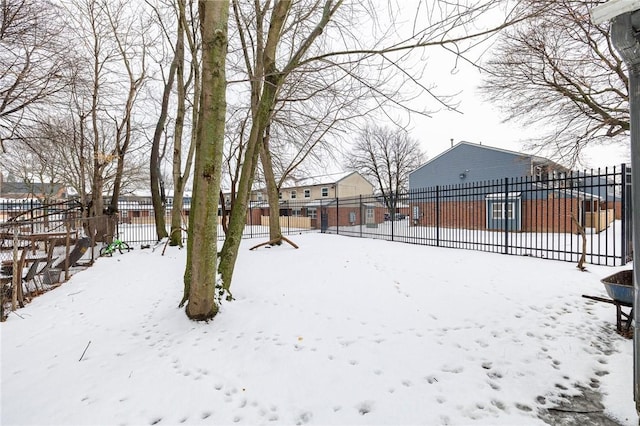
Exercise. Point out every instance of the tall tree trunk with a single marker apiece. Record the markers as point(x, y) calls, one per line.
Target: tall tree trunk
point(275, 232)
point(179, 179)
point(262, 110)
point(157, 196)
point(200, 272)
point(238, 217)
point(260, 119)
point(97, 226)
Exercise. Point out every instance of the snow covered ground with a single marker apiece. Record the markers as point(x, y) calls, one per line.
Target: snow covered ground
point(343, 331)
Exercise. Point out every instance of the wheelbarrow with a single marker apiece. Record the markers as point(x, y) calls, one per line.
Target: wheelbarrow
point(619, 287)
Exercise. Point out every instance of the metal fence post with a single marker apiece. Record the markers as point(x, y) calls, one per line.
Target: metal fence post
point(360, 197)
point(394, 203)
point(505, 215)
point(337, 216)
point(438, 216)
point(250, 217)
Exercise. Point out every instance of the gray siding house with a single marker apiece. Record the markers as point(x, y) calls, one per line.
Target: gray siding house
point(468, 162)
point(493, 188)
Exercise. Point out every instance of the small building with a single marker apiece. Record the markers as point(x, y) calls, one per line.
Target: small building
point(137, 207)
point(468, 162)
point(345, 185)
point(309, 198)
point(19, 198)
point(32, 190)
point(474, 186)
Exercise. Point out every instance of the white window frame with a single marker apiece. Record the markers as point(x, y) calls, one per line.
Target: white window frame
point(312, 212)
point(293, 194)
point(307, 193)
point(370, 215)
point(498, 210)
point(324, 191)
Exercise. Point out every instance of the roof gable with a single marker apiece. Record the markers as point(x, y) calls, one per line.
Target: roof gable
point(466, 145)
point(30, 188)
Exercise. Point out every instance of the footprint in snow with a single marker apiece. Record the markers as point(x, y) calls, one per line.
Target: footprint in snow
point(455, 370)
point(304, 418)
point(431, 379)
point(365, 407)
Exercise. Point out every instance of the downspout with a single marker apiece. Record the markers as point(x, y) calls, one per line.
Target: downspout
point(626, 39)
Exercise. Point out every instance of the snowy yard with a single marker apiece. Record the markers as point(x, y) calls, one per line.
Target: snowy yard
point(343, 331)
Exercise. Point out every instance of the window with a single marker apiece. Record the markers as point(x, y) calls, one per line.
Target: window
point(296, 212)
point(279, 195)
point(510, 210)
point(324, 191)
point(497, 211)
point(259, 196)
point(294, 194)
point(370, 215)
point(312, 212)
point(307, 193)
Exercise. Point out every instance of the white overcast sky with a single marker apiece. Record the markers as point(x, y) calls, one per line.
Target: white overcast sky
point(480, 121)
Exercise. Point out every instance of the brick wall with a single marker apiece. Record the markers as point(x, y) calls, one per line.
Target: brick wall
point(548, 215)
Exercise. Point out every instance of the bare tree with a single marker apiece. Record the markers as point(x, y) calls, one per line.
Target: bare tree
point(559, 71)
point(180, 85)
point(131, 42)
point(267, 80)
point(312, 103)
point(309, 37)
point(201, 272)
point(35, 62)
point(33, 169)
point(158, 197)
point(386, 156)
point(113, 43)
point(188, 92)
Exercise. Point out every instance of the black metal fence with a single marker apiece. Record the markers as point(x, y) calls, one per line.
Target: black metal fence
point(550, 218)
point(527, 216)
point(137, 222)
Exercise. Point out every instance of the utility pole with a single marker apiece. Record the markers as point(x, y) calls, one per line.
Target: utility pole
point(625, 35)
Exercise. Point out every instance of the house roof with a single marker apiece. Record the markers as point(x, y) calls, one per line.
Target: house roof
point(534, 158)
point(319, 203)
point(29, 188)
point(328, 179)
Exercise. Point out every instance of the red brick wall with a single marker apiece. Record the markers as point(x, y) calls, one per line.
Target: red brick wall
point(549, 215)
point(617, 206)
point(453, 214)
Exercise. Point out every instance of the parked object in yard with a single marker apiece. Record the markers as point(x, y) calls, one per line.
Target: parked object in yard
point(80, 248)
point(116, 244)
point(51, 276)
point(619, 287)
